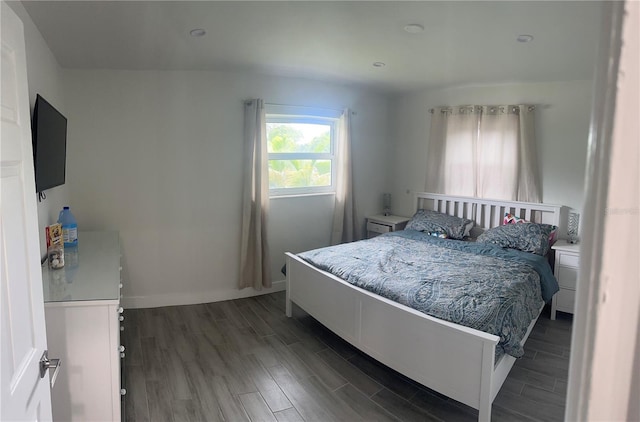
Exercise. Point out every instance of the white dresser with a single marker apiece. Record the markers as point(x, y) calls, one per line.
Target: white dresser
point(83, 318)
point(567, 263)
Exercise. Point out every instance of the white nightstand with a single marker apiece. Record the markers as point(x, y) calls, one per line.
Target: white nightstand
point(567, 262)
point(378, 224)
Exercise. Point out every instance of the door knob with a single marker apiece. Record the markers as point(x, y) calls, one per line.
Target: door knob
point(46, 363)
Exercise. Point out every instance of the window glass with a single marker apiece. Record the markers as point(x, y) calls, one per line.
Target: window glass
point(298, 137)
point(301, 154)
point(299, 173)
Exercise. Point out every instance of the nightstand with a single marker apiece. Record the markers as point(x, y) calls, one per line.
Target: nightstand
point(378, 224)
point(567, 262)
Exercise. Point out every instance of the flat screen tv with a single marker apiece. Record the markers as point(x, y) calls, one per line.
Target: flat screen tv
point(49, 129)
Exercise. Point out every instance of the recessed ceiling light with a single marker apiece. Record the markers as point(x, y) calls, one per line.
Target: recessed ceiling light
point(379, 64)
point(197, 32)
point(414, 28)
point(525, 38)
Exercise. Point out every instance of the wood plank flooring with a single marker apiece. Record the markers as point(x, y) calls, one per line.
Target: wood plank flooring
point(244, 360)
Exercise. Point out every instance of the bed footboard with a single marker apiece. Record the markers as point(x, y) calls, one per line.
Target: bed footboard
point(451, 359)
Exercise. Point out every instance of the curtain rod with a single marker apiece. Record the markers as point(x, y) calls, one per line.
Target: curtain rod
point(312, 107)
point(431, 110)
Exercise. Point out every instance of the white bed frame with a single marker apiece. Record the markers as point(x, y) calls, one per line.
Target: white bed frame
point(451, 359)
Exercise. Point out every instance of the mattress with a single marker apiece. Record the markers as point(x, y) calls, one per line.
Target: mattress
point(481, 286)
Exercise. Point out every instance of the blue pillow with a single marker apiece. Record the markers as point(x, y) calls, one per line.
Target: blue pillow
point(441, 225)
point(529, 237)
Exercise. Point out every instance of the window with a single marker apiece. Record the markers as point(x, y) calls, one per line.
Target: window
point(301, 154)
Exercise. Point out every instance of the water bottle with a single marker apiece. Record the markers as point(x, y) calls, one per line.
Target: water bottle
point(69, 228)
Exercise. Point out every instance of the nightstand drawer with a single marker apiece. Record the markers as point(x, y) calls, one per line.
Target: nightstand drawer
point(567, 277)
point(567, 263)
point(566, 300)
point(377, 228)
point(569, 260)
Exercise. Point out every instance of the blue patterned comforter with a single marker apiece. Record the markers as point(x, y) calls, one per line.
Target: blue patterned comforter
point(482, 286)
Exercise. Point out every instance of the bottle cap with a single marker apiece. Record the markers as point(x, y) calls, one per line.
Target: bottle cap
point(65, 208)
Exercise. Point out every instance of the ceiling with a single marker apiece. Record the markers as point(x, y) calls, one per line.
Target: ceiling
point(463, 42)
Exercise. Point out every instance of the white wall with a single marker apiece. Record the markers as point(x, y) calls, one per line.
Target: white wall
point(562, 129)
point(158, 156)
point(44, 77)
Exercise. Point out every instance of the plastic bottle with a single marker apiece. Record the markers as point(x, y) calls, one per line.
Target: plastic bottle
point(69, 228)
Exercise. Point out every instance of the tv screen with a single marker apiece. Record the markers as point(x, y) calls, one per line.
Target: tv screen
point(49, 145)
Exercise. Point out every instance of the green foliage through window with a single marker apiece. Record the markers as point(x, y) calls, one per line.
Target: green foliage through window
point(299, 173)
point(310, 147)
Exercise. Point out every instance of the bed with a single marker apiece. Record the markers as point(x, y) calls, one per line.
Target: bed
point(463, 363)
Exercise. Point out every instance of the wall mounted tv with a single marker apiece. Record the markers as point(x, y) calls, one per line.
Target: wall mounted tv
point(49, 129)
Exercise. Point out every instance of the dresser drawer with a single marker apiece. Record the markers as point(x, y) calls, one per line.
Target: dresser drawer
point(377, 228)
point(566, 300)
point(567, 277)
point(568, 260)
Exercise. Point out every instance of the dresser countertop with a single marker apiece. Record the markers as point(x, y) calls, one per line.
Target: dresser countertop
point(93, 275)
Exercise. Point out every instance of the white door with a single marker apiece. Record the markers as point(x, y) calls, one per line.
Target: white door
point(25, 394)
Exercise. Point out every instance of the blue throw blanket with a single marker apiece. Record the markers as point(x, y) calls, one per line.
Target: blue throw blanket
point(482, 286)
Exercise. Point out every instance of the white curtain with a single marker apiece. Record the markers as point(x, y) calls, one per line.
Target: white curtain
point(345, 227)
point(484, 152)
point(255, 267)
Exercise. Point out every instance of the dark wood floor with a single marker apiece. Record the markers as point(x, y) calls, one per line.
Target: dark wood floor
point(244, 360)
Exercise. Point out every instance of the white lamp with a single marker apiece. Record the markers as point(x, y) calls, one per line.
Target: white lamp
point(573, 227)
point(386, 203)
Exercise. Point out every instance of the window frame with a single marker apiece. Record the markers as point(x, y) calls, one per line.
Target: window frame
point(331, 156)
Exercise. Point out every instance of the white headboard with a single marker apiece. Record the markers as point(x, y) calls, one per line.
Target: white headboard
point(487, 213)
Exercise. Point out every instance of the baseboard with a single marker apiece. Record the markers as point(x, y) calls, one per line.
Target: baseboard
point(175, 299)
